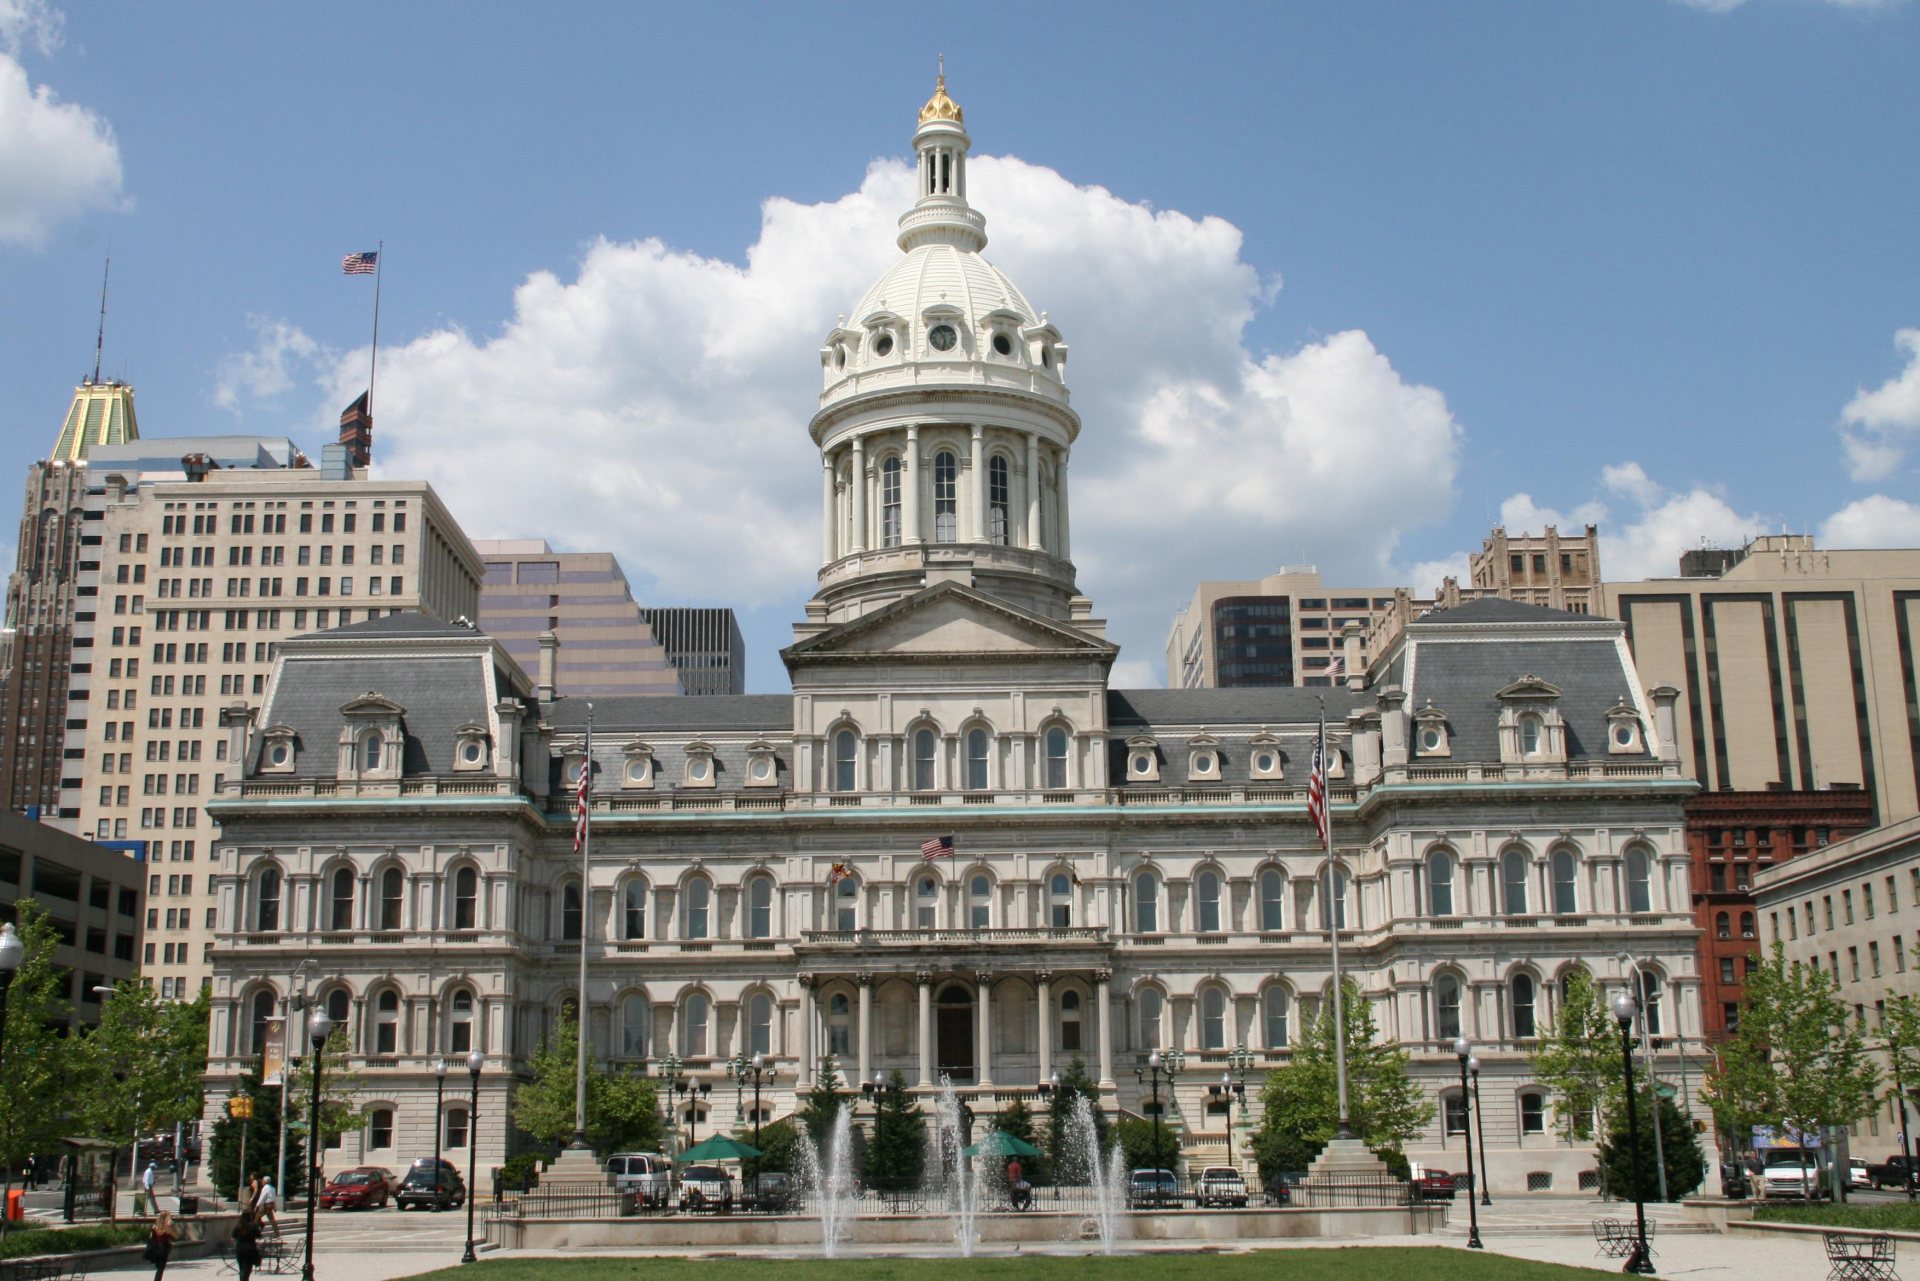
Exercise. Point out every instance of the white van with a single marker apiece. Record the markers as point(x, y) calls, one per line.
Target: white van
point(648, 1175)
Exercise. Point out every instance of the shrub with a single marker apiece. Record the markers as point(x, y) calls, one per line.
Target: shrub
point(23, 1243)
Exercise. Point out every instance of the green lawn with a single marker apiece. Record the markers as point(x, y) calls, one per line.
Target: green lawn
point(1900, 1216)
point(1352, 1263)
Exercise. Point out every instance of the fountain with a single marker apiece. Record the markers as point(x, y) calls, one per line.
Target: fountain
point(828, 1178)
point(1106, 1178)
point(962, 1191)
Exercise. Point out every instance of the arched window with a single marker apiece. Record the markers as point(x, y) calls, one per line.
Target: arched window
point(370, 748)
point(1150, 1007)
point(1566, 897)
point(1060, 901)
point(262, 1020)
point(1069, 1021)
point(466, 899)
point(760, 1025)
point(925, 746)
point(386, 1022)
point(1439, 883)
point(926, 903)
point(1213, 1019)
point(1206, 892)
point(339, 1008)
point(1513, 882)
point(844, 746)
point(760, 907)
point(392, 888)
point(1723, 926)
point(266, 900)
point(1277, 1013)
point(699, 901)
point(635, 1014)
point(633, 909)
point(946, 498)
point(460, 1022)
point(1146, 903)
point(1529, 735)
point(977, 741)
point(839, 1025)
point(693, 1025)
point(1446, 1005)
point(846, 904)
point(1056, 769)
point(1273, 900)
point(1639, 881)
point(570, 914)
point(999, 497)
point(890, 502)
point(1651, 989)
point(979, 902)
point(458, 1124)
point(340, 900)
point(1524, 1024)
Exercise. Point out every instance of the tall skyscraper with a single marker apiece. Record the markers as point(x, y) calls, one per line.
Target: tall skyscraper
point(607, 647)
point(705, 645)
point(1279, 630)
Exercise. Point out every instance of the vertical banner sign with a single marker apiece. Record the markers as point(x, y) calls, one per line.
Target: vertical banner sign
point(273, 1062)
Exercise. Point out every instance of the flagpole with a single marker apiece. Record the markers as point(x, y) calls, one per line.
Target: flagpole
point(586, 928)
point(373, 362)
point(1343, 1128)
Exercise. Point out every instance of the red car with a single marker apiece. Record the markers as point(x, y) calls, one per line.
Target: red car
point(364, 1188)
point(1435, 1185)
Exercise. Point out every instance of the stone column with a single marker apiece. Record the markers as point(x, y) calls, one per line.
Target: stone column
point(857, 491)
point(925, 980)
point(1103, 1009)
point(804, 1076)
point(1043, 980)
point(1033, 504)
point(910, 487)
point(983, 1032)
point(826, 508)
point(978, 505)
point(1065, 550)
point(865, 981)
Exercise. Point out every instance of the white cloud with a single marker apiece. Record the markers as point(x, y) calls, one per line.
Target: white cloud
point(282, 354)
point(57, 159)
point(1643, 534)
point(1880, 424)
point(1874, 521)
point(655, 403)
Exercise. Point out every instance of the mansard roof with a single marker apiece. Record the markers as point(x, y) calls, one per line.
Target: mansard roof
point(311, 693)
point(410, 624)
point(1467, 678)
point(623, 717)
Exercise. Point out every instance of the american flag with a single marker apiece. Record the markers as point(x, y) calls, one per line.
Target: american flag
point(583, 800)
point(1336, 668)
point(838, 873)
point(936, 847)
point(360, 264)
point(1317, 787)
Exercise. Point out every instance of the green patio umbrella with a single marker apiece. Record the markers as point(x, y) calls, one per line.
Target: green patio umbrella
point(1000, 1143)
point(718, 1148)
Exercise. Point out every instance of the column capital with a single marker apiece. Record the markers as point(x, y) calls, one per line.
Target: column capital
point(985, 978)
point(923, 977)
point(1103, 976)
point(864, 978)
point(1043, 976)
point(804, 978)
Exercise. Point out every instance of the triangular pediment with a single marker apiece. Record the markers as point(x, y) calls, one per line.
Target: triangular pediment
point(372, 703)
point(1530, 686)
point(949, 621)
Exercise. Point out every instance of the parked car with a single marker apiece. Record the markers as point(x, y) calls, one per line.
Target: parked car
point(1436, 1185)
point(439, 1189)
point(648, 1175)
point(1735, 1184)
point(1791, 1173)
point(1220, 1185)
point(1153, 1189)
point(705, 1187)
point(1897, 1171)
point(772, 1193)
point(366, 1187)
point(1857, 1176)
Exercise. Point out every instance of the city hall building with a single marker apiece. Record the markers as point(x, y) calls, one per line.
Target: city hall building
point(1129, 869)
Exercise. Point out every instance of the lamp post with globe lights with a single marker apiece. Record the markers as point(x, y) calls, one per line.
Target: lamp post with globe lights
point(1159, 1065)
point(1480, 1131)
point(1625, 1010)
point(319, 1027)
point(439, 1124)
point(475, 1062)
point(1463, 1050)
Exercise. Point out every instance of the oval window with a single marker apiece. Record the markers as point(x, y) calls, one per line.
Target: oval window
point(763, 767)
point(279, 754)
point(470, 752)
point(1142, 763)
point(1623, 735)
point(1430, 739)
point(1046, 357)
point(883, 345)
point(697, 768)
point(1264, 762)
point(637, 770)
point(1203, 763)
point(839, 357)
point(942, 337)
point(1002, 345)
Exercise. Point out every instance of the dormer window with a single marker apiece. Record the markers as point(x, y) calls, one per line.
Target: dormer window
point(883, 344)
point(279, 748)
point(1531, 728)
point(1431, 734)
point(1625, 734)
point(1264, 760)
point(636, 770)
point(1002, 345)
point(700, 765)
point(762, 769)
point(470, 748)
point(1203, 759)
point(373, 741)
point(1143, 760)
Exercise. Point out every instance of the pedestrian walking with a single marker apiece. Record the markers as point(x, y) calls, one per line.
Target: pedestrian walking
point(266, 1205)
point(247, 1193)
point(160, 1244)
point(246, 1244)
point(146, 1184)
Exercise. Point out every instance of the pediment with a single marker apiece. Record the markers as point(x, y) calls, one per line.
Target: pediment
point(949, 621)
point(1530, 686)
point(372, 704)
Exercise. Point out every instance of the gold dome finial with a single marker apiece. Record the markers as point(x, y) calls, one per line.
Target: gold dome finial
point(941, 107)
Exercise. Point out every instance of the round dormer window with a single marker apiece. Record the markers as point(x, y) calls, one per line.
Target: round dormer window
point(883, 345)
point(1264, 762)
point(637, 770)
point(942, 337)
point(470, 751)
point(697, 768)
point(1203, 763)
point(763, 768)
point(1142, 763)
point(1002, 345)
point(1430, 738)
point(1623, 735)
point(839, 357)
point(279, 754)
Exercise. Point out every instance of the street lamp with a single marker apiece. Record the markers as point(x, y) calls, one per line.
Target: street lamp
point(1463, 1050)
point(758, 1068)
point(1480, 1130)
point(12, 953)
point(695, 1092)
point(670, 1078)
point(1625, 1009)
point(439, 1126)
point(475, 1062)
point(1646, 1055)
point(319, 1027)
point(1159, 1065)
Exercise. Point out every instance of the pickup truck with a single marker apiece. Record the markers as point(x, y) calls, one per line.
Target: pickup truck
point(1897, 1171)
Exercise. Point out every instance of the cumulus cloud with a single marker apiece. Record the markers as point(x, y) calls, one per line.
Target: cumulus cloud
point(1879, 425)
point(282, 354)
point(1875, 521)
point(57, 159)
point(655, 402)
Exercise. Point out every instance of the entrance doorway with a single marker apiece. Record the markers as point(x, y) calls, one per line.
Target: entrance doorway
point(953, 1032)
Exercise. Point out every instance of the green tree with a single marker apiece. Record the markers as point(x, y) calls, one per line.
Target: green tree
point(1070, 1166)
point(1300, 1102)
point(35, 1098)
point(1017, 1120)
point(263, 1140)
point(1148, 1147)
point(821, 1102)
point(897, 1157)
point(623, 1111)
point(1903, 1050)
point(1621, 1165)
point(141, 1067)
point(1579, 1058)
point(779, 1144)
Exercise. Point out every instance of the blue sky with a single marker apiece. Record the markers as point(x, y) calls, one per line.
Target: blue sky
point(1407, 269)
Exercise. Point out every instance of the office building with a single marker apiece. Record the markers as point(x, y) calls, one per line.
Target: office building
point(704, 645)
point(94, 897)
point(1550, 569)
point(606, 648)
point(1279, 630)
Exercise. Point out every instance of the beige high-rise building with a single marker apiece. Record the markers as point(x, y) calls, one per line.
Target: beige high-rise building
point(1558, 571)
point(1796, 666)
point(203, 570)
point(1278, 630)
point(607, 647)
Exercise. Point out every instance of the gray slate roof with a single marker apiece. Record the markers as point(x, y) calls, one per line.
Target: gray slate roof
point(631, 714)
point(408, 624)
point(1132, 709)
point(1461, 678)
point(439, 695)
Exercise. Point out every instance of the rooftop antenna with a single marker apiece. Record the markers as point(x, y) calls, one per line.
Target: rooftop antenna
point(100, 338)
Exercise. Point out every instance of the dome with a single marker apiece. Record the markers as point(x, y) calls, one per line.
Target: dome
point(933, 278)
point(941, 107)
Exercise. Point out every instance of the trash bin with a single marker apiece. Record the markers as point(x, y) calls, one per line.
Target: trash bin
point(189, 1204)
point(16, 1204)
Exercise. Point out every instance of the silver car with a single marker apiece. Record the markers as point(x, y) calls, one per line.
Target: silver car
point(648, 1175)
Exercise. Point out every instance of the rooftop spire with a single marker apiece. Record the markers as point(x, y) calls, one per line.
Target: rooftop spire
point(940, 214)
point(100, 338)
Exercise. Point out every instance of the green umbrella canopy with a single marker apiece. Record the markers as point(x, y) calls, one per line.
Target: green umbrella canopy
point(1000, 1143)
point(718, 1148)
